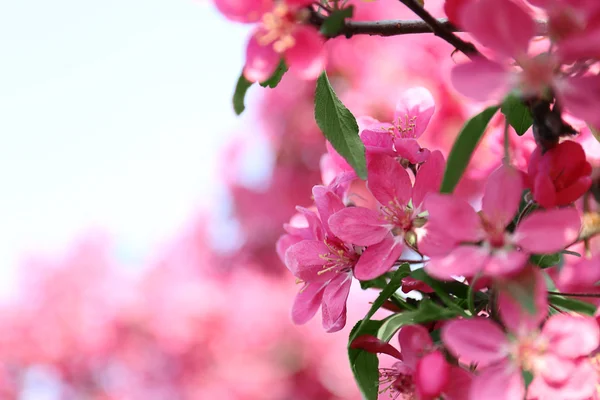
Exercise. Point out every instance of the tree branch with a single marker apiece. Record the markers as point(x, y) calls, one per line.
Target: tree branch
point(441, 30)
point(382, 28)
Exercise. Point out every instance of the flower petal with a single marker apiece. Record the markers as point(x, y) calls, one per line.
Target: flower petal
point(304, 259)
point(455, 217)
point(307, 58)
point(388, 181)
point(498, 382)
point(481, 79)
point(475, 340)
point(244, 10)
point(429, 177)
point(359, 225)
point(501, 25)
point(328, 203)
point(432, 375)
point(463, 261)
point(571, 336)
point(333, 308)
point(373, 345)
point(548, 231)
point(505, 263)
point(261, 61)
point(377, 259)
point(502, 196)
point(414, 111)
point(414, 342)
point(307, 302)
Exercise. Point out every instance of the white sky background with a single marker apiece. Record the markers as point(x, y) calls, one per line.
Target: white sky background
point(111, 114)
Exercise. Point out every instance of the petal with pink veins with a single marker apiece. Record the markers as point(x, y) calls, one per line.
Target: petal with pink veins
point(481, 79)
point(307, 58)
point(328, 203)
point(581, 385)
point(501, 25)
point(498, 382)
point(571, 336)
point(544, 192)
point(475, 340)
point(304, 259)
point(548, 231)
point(377, 259)
point(307, 302)
point(334, 302)
point(429, 177)
point(261, 61)
point(414, 111)
point(464, 261)
point(284, 243)
point(359, 225)
point(414, 342)
point(502, 196)
point(388, 181)
point(411, 150)
point(458, 385)
point(455, 217)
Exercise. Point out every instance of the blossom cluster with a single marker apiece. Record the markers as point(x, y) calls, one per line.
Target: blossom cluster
point(496, 247)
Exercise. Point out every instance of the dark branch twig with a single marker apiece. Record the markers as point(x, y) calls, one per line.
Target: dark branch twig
point(441, 30)
point(591, 295)
point(382, 28)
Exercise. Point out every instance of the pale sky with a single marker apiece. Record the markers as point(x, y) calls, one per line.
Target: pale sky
point(111, 116)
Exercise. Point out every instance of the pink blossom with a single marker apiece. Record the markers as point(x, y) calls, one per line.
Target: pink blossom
point(413, 112)
point(422, 372)
point(560, 176)
point(460, 241)
point(400, 211)
point(508, 29)
point(555, 356)
point(280, 33)
point(324, 263)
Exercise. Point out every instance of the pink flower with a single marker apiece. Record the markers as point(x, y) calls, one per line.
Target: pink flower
point(281, 32)
point(560, 176)
point(508, 29)
point(556, 357)
point(400, 211)
point(323, 262)
point(413, 112)
point(460, 241)
point(421, 372)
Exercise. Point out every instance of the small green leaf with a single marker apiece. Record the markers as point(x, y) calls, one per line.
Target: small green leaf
point(339, 126)
point(274, 80)
point(364, 365)
point(385, 294)
point(595, 132)
point(239, 95)
point(428, 311)
point(378, 283)
point(546, 260)
point(569, 304)
point(527, 378)
point(463, 148)
point(517, 114)
point(335, 21)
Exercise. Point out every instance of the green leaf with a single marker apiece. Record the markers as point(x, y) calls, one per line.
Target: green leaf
point(386, 293)
point(364, 365)
point(463, 148)
point(517, 114)
point(335, 21)
point(428, 311)
point(378, 283)
point(339, 126)
point(527, 378)
point(569, 304)
point(244, 84)
point(239, 95)
point(546, 260)
point(274, 80)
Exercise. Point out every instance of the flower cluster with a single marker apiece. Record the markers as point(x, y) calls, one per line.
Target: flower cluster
point(493, 248)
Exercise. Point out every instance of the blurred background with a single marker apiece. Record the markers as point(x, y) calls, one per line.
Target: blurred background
point(139, 215)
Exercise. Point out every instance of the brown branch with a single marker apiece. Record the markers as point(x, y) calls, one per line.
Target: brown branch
point(382, 28)
point(441, 30)
point(593, 295)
